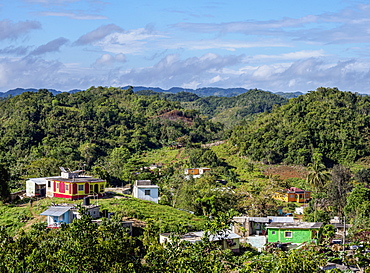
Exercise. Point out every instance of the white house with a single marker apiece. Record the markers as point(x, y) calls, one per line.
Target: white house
point(36, 187)
point(143, 189)
point(226, 239)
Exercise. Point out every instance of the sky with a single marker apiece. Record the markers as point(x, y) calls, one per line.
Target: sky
point(267, 44)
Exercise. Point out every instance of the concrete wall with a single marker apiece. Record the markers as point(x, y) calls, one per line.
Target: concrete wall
point(298, 235)
point(140, 192)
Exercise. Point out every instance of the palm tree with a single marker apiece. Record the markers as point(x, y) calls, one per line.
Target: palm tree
point(317, 178)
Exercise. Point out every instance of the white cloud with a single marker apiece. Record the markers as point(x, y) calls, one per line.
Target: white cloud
point(128, 42)
point(74, 15)
point(270, 27)
point(230, 45)
point(297, 55)
point(109, 60)
point(98, 34)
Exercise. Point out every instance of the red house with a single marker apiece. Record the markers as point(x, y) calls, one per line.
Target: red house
point(72, 185)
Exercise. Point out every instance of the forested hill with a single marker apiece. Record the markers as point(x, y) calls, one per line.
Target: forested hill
point(201, 92)
point(228, 110)
point(40, 131)
point(325, 122)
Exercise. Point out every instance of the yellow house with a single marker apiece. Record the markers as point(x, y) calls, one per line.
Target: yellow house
point(293, 194)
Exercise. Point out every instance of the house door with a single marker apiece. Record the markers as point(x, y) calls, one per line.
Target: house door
point(96, 188)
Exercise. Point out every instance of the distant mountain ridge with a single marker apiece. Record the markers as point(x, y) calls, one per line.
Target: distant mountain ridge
point(202, 92)
point(18, 91)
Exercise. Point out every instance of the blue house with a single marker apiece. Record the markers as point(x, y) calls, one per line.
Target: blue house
point(58, 215)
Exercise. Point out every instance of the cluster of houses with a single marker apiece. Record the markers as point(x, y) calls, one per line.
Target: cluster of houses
point(257, 231)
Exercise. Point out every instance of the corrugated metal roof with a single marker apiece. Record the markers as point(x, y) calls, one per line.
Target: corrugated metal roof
point(259, 219)
point(295, 225)
point(55, 211)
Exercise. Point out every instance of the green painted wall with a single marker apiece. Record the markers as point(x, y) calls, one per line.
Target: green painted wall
point(298, 235)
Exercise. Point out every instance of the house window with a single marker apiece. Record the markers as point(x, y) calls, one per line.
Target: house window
point(101, 187)
point(80, 187)
point(49, 184)
point(67, 187)
point(288, 234)
point(273, 232)
point(147, 192)
point(91, 188)
point(57, 185)
point(292, 195)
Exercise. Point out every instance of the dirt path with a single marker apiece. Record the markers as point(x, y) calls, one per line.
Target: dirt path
point(36, 218)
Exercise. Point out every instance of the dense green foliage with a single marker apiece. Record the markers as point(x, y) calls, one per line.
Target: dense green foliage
point(84, 246)
point(40, 131)
point(228, 110)
point(326, 121)
point(79, 247)
point(4, 182)
point(252, 102)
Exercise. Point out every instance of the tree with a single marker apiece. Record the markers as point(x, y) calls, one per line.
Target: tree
point(338, 188)
point(357, 208)
point(363, 176)
point(317, 177)
point(4, 180)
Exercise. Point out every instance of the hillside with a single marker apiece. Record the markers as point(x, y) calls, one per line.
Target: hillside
point(227, 110)
point(167, 219)
point(97, 128)
point(329, 122)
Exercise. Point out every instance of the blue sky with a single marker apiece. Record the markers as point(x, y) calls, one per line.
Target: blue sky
point(271, 45)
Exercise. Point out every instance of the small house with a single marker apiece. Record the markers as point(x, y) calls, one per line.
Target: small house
point(248, 226)
point(36, 187)
point(145, 190)
point(196, 172)
point(70, 185)
point(64, 214)
point(293, 194)
point(226, 239)
point(294, 233)
point(253, 229)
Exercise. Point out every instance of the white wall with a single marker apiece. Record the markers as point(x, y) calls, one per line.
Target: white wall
point(139, 192)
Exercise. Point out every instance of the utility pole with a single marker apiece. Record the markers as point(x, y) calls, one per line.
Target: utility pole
point(344, 232)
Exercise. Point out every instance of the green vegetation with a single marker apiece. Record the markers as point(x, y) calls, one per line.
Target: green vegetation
point(326, 121)
point(228, 110)
point(167, 219)
point(116, 135)
point(13, 218)
point(96, 127)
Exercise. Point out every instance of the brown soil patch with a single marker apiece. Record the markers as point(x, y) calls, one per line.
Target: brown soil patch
point(285, 171)
point(136, 222)
point(176, 115)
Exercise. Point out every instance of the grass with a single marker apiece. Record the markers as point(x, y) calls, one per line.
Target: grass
point(164, 155)
point(13, 218)
point(167, 219)
point(244, 167)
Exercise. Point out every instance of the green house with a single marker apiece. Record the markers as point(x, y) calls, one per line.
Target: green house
point(295, 233)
